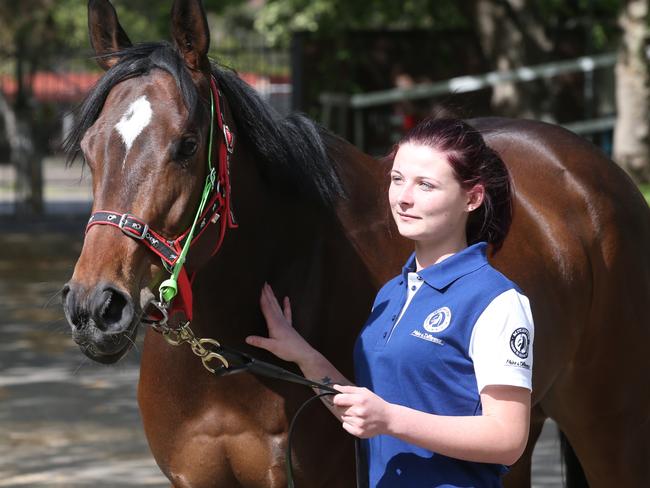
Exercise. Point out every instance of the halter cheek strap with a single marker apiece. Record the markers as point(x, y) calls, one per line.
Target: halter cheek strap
point(215, 207)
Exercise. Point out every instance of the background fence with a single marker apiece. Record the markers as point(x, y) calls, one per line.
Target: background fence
point(366, 109)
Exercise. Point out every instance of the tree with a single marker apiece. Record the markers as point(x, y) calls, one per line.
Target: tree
point(632, 132)
point(21, 23)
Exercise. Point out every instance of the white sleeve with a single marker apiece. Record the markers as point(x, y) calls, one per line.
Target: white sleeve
point(501, 345)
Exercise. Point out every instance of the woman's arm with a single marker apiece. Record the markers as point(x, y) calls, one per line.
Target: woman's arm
point(286, 343)
point(497, 436)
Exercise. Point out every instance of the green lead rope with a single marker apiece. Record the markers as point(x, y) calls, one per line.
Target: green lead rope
point(169, 288)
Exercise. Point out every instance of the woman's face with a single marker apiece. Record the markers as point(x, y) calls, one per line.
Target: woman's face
point(426, 200)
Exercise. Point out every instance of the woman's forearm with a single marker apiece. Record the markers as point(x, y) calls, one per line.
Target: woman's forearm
point(485, 438)
point(317, 368)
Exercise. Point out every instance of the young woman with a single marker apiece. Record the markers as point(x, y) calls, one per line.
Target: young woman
point(444, 361)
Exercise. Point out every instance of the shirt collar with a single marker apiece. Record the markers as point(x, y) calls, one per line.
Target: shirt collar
point(442, 274)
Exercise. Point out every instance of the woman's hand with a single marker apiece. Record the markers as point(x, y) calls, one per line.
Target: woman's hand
point(283, 340)
point(363, 413)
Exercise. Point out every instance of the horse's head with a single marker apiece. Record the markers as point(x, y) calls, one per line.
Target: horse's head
point(144, 133)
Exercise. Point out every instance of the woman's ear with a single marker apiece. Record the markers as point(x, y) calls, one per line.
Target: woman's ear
point(475, 197)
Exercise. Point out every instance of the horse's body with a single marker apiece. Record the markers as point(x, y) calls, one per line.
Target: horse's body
point(577, 246)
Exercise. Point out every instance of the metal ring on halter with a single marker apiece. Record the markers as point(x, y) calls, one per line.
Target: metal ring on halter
point(160, 306)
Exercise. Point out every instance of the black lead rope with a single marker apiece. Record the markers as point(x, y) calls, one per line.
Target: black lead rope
point(361, 483)
point(289, 463)
point(244, 362)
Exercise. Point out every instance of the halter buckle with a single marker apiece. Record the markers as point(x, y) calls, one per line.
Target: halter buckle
point(133, 227)
point(229, 138)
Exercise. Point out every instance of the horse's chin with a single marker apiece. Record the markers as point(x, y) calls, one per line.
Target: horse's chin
point(111, 350)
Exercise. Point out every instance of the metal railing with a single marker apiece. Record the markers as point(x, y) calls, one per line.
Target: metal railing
point(462, 84)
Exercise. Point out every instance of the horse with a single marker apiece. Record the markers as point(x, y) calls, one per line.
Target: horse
point(306, 211)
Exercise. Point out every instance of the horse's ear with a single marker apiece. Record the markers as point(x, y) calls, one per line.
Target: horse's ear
point(106, 33)
point(191, 33)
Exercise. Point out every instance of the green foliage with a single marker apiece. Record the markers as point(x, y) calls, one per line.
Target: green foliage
point(645, 190)
point(70, 17)
point(279, 18)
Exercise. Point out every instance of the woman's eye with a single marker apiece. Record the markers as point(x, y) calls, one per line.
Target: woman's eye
point(426, 186)
point(187, 148)
point(396, 179)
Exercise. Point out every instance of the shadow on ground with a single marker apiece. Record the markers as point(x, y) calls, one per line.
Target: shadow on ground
point(64, 420)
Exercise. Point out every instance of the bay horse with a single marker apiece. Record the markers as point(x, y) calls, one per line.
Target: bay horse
point(308, 213)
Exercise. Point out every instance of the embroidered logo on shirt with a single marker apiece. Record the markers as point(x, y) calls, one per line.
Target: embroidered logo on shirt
point(519, 342)
point(437, 321)
point(427, 337)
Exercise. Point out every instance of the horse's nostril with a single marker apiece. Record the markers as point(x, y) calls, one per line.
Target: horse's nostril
point(113, 307)
point(64, 292)
point(77, 318)
point(113, 310)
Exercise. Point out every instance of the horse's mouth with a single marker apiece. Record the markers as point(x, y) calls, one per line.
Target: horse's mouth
point(107, 348)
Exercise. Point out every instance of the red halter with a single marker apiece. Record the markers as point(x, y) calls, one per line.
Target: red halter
point(218, 209)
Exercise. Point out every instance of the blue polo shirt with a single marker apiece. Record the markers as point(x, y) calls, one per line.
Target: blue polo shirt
point(421, 357)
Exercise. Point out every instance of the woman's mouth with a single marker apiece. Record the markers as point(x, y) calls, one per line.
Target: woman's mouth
point(407, 217)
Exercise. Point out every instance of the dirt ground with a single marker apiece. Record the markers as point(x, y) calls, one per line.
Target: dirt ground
point(64, 420)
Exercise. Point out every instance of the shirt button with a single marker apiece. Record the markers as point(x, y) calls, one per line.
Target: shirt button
point(401, 282)
point(393, 317)
point(419, 278)
point(385, 334)
point(413, 287)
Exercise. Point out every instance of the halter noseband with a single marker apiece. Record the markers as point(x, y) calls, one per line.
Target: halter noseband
point(215, 206)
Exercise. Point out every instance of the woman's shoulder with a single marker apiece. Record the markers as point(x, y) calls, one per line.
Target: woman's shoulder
point(390, 285)
point(493, 278)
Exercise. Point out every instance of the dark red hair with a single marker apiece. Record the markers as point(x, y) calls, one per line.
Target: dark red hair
point(473, 163)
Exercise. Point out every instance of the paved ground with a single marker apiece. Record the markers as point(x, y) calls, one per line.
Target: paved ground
point(65, 421)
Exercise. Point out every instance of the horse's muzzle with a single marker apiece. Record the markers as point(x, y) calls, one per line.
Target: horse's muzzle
point(102, 320)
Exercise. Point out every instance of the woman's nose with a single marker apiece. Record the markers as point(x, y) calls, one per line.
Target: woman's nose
point(405, 196)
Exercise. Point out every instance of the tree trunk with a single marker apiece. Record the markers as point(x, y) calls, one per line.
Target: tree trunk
point(506, 28)
point(502, 46)
point(632, 131)
point(24, 157)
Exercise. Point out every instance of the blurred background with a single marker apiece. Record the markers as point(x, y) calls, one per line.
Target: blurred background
point(367, 70)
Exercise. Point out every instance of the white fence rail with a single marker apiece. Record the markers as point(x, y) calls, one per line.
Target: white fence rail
point(463, 84)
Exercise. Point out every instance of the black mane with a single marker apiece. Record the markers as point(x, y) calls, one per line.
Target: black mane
point(292, 149)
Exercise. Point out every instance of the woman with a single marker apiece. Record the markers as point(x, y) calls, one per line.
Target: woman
point(444, 362)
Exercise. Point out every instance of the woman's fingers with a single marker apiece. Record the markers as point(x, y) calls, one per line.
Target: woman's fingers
point(287, 310)
point(270, 301)
point(347, 388)
point(353, 430)
point(271, 308)
point(344, 400)
point(350, 395)
point(261, 342)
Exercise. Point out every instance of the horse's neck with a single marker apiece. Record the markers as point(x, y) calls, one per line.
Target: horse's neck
point(365, 214)
point(325, 262)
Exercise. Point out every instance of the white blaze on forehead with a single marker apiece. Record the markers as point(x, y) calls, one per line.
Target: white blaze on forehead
point(134, 121)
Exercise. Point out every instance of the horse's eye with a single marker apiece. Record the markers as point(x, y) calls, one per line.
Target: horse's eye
point(187, 148)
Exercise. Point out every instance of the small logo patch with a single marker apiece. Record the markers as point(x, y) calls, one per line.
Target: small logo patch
point(519, 342)
point(437, 321)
